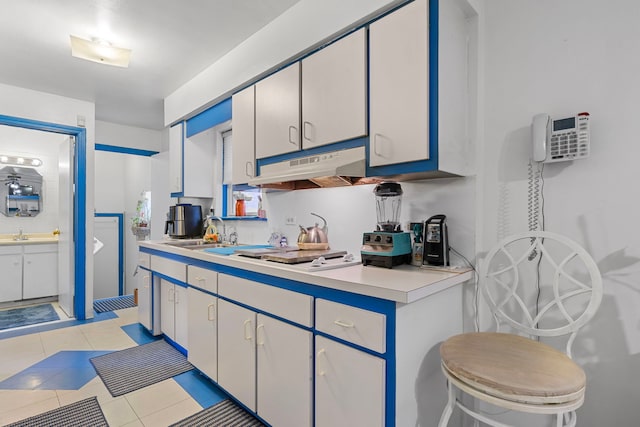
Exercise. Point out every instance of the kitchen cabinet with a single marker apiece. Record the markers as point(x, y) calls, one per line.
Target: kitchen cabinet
point(237, 352)
point(399, 86)
point(278, 113)
point(202, 332)
point(143, 280)
point(174, 310)
point(334, 93)
point(243, 159)
point(349, 386)
point(191, 163)
point(40, 271)
point(11, 267)
point(408, 123)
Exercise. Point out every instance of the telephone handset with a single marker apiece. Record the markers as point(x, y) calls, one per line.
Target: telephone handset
point(560, 140)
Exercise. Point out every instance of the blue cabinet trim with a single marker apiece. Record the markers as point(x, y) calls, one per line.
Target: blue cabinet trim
point(125, 150)
point(209, 118)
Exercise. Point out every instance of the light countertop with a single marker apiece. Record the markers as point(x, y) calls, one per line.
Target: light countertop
point(402, 284)
point(32, 239)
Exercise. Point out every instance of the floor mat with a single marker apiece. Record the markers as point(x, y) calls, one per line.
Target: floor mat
point(115, 303)
point(84, 413)
point(224, 414)
point(128, 370)
point(23, 316)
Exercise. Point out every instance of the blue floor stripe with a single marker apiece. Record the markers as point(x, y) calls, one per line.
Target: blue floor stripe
point(139, 333)
point(200, 388)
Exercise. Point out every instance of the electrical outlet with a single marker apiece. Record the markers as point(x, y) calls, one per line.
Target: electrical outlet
point(290, 220)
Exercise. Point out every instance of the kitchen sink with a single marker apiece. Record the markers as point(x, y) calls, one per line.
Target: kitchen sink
point(196, 244)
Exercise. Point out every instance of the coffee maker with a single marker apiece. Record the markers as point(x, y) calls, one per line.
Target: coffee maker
point(184, 221)
point(388, 246)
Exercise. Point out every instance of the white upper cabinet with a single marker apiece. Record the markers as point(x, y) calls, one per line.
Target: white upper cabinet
point(243, 158)
point(334, 89)
point(278, 113)
point(399, 92)
point(176, 139)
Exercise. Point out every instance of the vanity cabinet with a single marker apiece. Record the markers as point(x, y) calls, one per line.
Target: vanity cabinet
point(243, 164)
point(11, 267)
point(29, 271)
point(278, 113)
point(334, 92)
point(39, 271)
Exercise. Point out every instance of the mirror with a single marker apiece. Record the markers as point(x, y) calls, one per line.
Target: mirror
point(21, 190)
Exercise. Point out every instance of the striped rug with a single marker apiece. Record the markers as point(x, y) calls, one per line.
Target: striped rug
point(115, 303)
point(223, 414)
point(131, 369)
point(83, 413)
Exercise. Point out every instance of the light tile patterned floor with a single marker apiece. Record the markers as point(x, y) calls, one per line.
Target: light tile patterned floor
point(158, 405)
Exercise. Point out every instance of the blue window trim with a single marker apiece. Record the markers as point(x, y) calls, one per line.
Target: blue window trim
point(125, 150)
point(120, 217)
point(79, 202)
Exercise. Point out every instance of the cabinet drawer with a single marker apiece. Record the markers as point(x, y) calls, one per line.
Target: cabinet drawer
point(202, 278)
point(174, 269)
point(38, 249)
point(144, 260)
point(361, 327)
point(11, 250)
point(279, 302)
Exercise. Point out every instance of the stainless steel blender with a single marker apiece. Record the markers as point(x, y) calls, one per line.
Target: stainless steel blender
point(388, 245)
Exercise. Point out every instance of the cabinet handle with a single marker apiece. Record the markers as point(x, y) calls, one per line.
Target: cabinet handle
point(248, 169)
point(258, 340)
point(199, 279)
point(211, 313)
point(375, 144)
point(343, 324)
point(304, 130)
point(321, 372)
point(176, 296)
point(172, 295)
point(294, 141)
point(247, 331)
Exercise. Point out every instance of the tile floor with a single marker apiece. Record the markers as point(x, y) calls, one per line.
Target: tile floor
point(43, 368)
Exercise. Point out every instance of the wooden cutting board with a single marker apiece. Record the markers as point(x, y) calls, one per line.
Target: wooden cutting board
point(295, 257)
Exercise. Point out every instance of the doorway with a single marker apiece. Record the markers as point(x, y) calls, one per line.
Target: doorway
point(76, 298)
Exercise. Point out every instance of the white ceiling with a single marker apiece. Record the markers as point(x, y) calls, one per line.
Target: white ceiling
point(171, 42)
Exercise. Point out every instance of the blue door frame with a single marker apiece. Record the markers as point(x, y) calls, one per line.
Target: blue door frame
point(79, 201)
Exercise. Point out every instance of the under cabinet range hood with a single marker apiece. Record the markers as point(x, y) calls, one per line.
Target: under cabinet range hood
point(332, 169)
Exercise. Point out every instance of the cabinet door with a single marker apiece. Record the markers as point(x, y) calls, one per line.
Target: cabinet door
point(176, 138)
point(284, 384)
point(144, 298)
point(203, 342)
point(349, 386)
point(11, 267)
point(278, 113)
point(40, 272)
point(244, 152)
point(167, 309)
point(398, 61)
point(334, 88)
point(181, 316)
point(237, 352)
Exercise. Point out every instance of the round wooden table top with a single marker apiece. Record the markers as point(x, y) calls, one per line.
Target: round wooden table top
point(513, 367)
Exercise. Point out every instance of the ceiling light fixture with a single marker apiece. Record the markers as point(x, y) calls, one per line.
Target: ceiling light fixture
point(100, 51)
point(20, 160)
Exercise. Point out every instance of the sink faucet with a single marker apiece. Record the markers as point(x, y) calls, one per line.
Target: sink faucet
point(223, 236)
point(20, 236)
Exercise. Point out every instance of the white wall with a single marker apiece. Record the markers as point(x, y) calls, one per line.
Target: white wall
point(34, 105)
point(564, 57)
point(298, 29)
point(128, 136)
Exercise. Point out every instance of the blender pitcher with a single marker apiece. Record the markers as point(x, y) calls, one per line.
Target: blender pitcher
point(388, 202)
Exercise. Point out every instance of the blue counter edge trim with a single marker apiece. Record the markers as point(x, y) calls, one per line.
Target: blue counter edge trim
point(120, 217)
point(125, 150)
point(79, 203)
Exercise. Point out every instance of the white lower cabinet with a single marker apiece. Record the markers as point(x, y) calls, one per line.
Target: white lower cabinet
point(11, 267)
point(350, 386)
point(203, 331)
point(284, 377)
point(174, 309)
point(237, 352)
point(143, 279)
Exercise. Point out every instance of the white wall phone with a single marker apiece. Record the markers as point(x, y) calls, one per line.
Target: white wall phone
point(560, 140)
